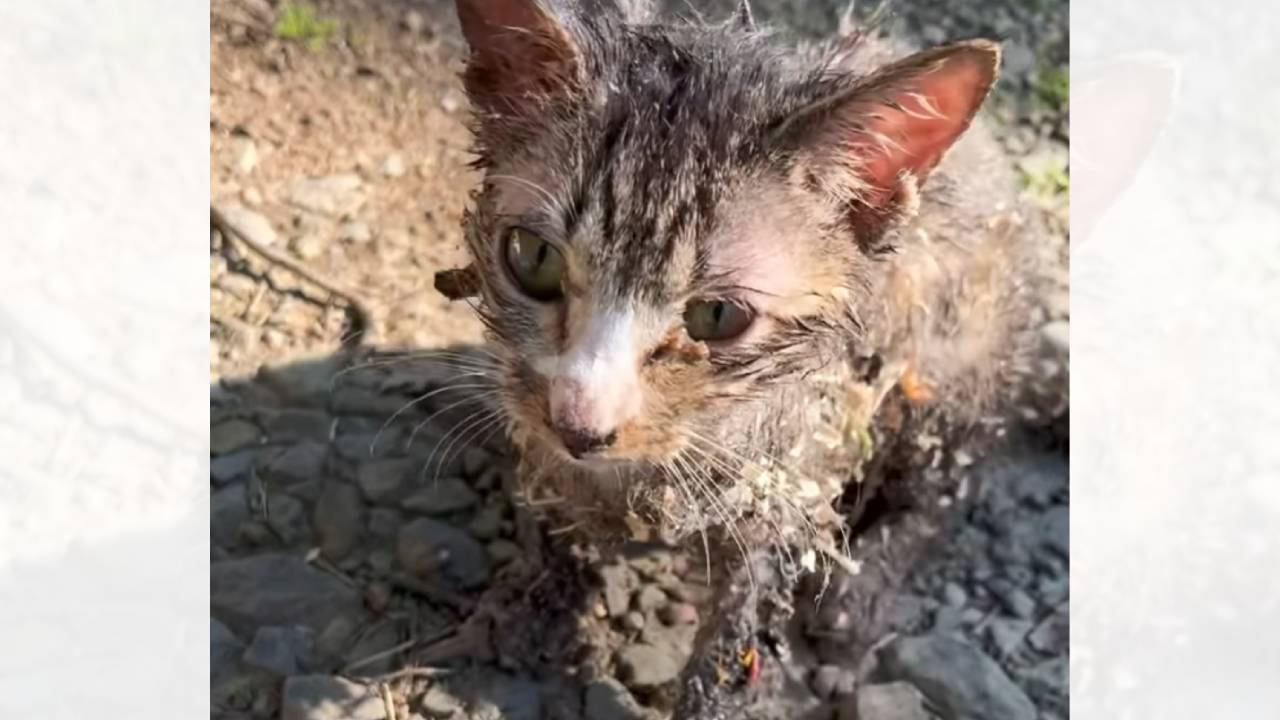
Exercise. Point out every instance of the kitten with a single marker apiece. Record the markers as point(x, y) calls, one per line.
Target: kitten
point(706, 261)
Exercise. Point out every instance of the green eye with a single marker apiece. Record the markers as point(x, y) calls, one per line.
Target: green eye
point(716, 319)
point(535, 264)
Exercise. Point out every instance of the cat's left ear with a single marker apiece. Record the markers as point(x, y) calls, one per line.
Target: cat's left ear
point(521, 54)
point(876, 142)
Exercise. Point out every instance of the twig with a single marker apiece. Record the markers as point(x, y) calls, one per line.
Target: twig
point(426, 672)
point(380, 655)
point(361, 317)
point(387, 701)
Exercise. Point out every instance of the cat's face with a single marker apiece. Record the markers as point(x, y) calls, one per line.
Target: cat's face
point(668, 228)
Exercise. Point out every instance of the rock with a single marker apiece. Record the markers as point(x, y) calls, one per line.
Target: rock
point(279, 650)
point(339, 519)
point(426, 547)
point(958, 679)
point(1047, 681)
point(308, 247)
point(252, 224)
point(633, 621)
point(356, 233)
point(287, 518)
point(1006, 635)
point(383, 481)
point(294, 425)
point(1057, 334)
point(618, 580)
point(413, 22)
point(295, 464)
point(232, 435)
point(890, 701)
point(502, 551)
point(1018, 59)
point(246, 156)
point(449, 103)
point(441, 497)
point(649, 598)
point(321, 697)
point(228, 509)
point(474, 461)
point(679, 614)
point(642, 665)
point(384, 523)
point(380, 563)
point(335, 195)
point(277, 589)
point(224, 648)
point(251, 196)
point(393, 166)
point(608, 699)
point(503, 697)
point(437, 702)
point(1052, 635)
point(333, 641)
point(377, 597)
point(487, 522)
point(1018, 603)
point(231, 467)
point(954, 595)
point(1055, 527)
point(831, 681)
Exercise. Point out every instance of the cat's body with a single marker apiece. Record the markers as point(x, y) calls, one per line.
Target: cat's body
point(706, 261)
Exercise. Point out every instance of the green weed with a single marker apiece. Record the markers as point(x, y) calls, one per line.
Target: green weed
point(299, 22)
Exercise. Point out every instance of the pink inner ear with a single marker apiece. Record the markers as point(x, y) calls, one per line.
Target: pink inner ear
point(913, 121)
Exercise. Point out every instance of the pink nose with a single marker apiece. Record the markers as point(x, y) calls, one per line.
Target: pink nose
point(585, 420)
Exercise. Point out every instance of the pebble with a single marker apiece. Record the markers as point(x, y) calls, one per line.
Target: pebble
point(957, 678)
point(1053, 634)
point(441, 497)
point(414, 22)
point(474, 461)
point(224, 649)
point(608, 699)
point(246, 155)
point(384, 523)
point(355, 232)
point(251, 196)
point(393, 166)
point(1047, 680)
point(339, 519)
point(449, 103)
point(502, 551)
point(308, 247)
point(618, 580)
point(382, 481)
point(334, 195)
point(679, 614)
point(1057, 334)
point(427, 547)
point(253, 224)
point(1018, 603)
point(437, 702)
point(1006, 635)
point(231, 467)
point(279, 650)
point(336, 638)
point(298, 463)
point(228, 510)
point(294, 425)
point(649, 598)
point(382, 639)
point(277, 589)
point(890, 701)
point(487, 523)
point(633, 621)
point(380, 562)
point(321, 697)
point(831, 681)
point(231, 435)
point(642, 665)
point(954, 595)
point(377, 597)
point(287, 518)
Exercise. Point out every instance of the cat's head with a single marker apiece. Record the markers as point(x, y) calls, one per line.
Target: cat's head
point(675, 220)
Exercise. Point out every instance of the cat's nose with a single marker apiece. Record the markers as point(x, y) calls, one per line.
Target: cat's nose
point(581, 443)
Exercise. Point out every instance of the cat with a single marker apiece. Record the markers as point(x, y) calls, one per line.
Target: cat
point(719, 275)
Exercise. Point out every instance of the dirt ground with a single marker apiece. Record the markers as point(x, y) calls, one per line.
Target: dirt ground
point(338, 140)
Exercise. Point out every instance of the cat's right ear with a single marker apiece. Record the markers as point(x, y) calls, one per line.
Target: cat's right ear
point(521, 55)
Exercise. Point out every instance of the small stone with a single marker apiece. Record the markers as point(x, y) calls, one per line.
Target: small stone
point(225, 648)
point(321, 697)
point(1017, 602)
point(251, 196)
point(380, 563)
point(246, 156)
point(335, 195)
point(1047, 680)
point(1006, 635)
point(1018, 59)
point(1057, 334)
point(474, 461)
point(449, 103)
point(645, 666)
point(413, 22)
point(427, 547)
point(437, 702)
point(382, 481)
point(649, 598)
point(954, 595)
point(228, 510)
point(384, 523)
point(276, 589)
point(678, 613)
point(231, 467)
point(287, 518)
point(279, 650)
point(231, 435)
point(289, 426)
point(371, 644)
point(393, 166)
point(617, 589)
point(890, 701)
point(633, 621)
point(608, 699)
point(487, 522)
point(296, 464)
point(336, 637)
point(307, 247)
point(832, 681)
point(356, 233)
point(251, 223)
point(441, 497)
point(1052, 635)
point(377, 597)
point(339, 519)
point(956, 677)
point(502, 551)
